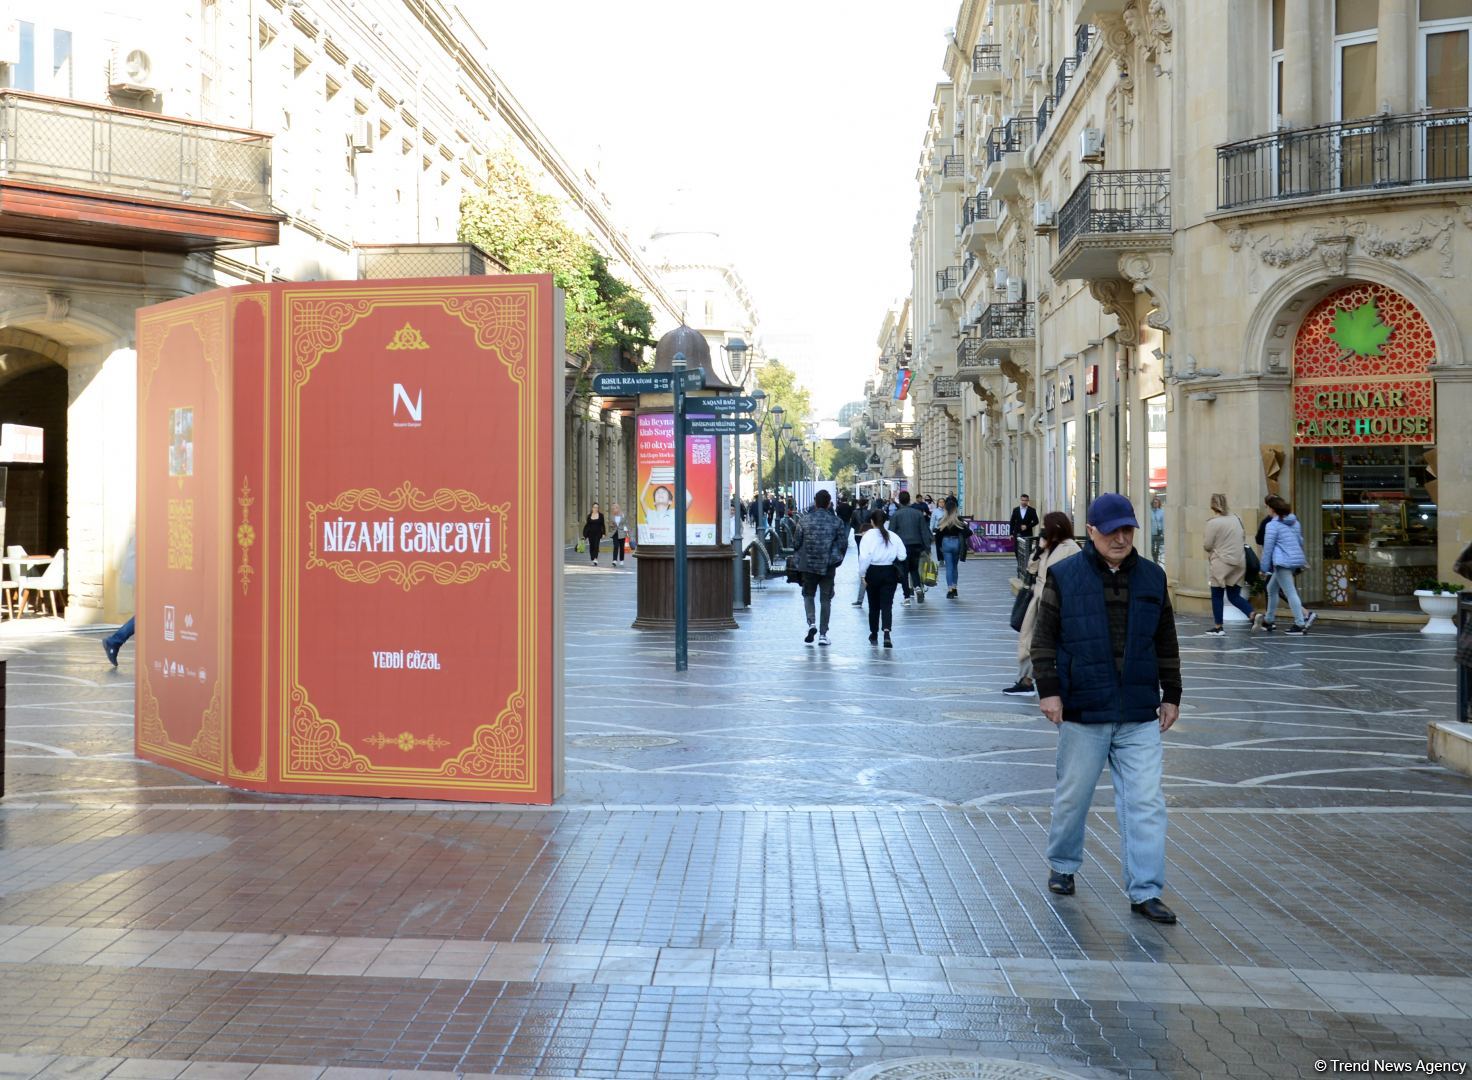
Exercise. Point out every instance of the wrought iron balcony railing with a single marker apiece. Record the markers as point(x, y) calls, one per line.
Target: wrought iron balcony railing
point(1083, 37)
point(1378, 153)
point(986, 58)
point(1013, 137)
point(954, 167)
point(98, 148)
point(949, 278)
point(1045, 113)
point(1064, 75)
point(968, 264)
point(977, 208)
point(1006, 322)
point(969, 353)
point(1116, 201)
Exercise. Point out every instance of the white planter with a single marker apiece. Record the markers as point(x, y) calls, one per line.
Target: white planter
point(1440, 607)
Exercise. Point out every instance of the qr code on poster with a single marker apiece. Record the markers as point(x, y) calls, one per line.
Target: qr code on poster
point(700, 453)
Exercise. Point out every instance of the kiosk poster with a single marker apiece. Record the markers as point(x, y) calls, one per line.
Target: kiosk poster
point(344, 586)
point(991, 538)
point(656, 478)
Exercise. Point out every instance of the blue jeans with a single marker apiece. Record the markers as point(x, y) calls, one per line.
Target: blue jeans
point(950, 550)
point(1234, 594)
point(1134, 753)
point(119, 636)
point(1282, 578)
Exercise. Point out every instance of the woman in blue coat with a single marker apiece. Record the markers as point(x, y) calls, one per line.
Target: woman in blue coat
point(1282, 557)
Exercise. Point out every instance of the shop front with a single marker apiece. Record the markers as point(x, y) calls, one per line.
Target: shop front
point(1364, 448)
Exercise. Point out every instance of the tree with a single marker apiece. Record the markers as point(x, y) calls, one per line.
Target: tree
point(523, 228)
point(779, 383)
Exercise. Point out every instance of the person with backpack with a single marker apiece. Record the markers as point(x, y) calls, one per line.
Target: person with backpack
point(881, 561)
point(1225, 543)
point(1282, 558)
point(912, 526)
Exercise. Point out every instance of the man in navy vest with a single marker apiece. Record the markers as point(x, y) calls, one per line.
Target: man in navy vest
point(1108, 672)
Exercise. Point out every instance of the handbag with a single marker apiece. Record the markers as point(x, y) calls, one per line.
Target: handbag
point(794, 573)
point(929, 571)
point(581, 547)
point(1020, 604)
point(1254, 566)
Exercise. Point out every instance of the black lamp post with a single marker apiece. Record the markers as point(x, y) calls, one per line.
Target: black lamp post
point(736, 350)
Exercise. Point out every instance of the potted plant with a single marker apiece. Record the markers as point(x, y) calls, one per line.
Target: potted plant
point(1438, 600)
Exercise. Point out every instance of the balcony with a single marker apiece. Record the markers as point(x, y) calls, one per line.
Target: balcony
point(425, 260)
point(953, 173)
point(978, 222)
point(902, 436)
point(1083, 38)
point(1064, 75)
point(986, 70)
point(1109, 214)
point(1045, 113)
point(1006, 153)
point(972, 364)
point(108, 176)
point(948, 284)
point(1375, 156)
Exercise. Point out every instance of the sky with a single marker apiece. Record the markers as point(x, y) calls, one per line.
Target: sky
point(794, 128)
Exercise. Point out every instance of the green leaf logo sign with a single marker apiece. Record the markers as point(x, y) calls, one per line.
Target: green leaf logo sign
point(1360, 330)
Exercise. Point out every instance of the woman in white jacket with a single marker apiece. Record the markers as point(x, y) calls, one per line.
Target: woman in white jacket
point(1055, 544)
point(881, 557)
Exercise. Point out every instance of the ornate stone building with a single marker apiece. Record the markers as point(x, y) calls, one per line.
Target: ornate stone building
point(1182, 247)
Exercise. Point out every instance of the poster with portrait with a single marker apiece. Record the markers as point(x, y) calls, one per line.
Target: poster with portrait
point(656, 483)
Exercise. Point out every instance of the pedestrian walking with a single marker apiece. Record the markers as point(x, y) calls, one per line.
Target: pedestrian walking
point(619, 531)
point(937, 514)
point(819, 547)
point(114, 642)
point(951, 533)
point(912, 526)
point(1107, 611)
point(1226, 558)
point(1157, 529)
point(881, 561)
point(861, 526)
point(1283, 557)
point(1023, 524)
point(594, 527)
point(1055, 543)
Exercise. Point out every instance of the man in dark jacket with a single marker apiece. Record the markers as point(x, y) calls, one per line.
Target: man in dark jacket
point(912, 526)
point(820, 545)
point(1108, 672)
point(1024, 525)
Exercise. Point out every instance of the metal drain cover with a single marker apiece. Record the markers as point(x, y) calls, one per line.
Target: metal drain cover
point(981, 716)
point(959, 1068)
point(623, 742)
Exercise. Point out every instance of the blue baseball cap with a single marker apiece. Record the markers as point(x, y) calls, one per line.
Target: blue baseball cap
point(1110, 511)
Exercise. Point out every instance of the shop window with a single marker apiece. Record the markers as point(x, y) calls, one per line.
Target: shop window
point(1156, 476)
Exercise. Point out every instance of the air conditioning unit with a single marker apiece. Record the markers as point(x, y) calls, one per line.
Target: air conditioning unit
point(1014, 290)
point(130, 71)
point(362, 135)
point(999, 278)
point(1091, 144)
point(1042, 214)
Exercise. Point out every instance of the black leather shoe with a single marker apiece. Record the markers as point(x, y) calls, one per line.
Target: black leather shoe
point(1062, 884)
point(1155, 910)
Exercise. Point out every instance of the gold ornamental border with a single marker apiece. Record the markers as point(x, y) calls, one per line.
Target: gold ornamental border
point(504, 751)
point(408, 574)
point(207, 319)
point(262, 299)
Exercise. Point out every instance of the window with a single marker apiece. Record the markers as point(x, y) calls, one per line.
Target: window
point(1275, 65)
point(1355, 25)
point(61, 62)
point(23, 71)
point(1444, 82)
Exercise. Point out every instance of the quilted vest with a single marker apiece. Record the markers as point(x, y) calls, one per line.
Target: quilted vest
point(1094, 690)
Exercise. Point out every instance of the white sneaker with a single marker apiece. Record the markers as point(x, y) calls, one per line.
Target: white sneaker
point(1308, 619)
point(823, 639)
point(906, 602)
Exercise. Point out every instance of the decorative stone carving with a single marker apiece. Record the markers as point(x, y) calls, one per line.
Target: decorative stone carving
point(1336, 239)
point(1118, 299)
point(1334, 254)
point(58, 306)
point(1116, 37)
point(1147, 275)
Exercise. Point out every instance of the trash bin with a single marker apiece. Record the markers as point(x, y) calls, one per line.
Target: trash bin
point(1464, 658)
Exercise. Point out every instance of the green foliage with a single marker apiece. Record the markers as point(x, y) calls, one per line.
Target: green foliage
point(850, 457)
point(846, 477)
point(1446, 588)
point(1360, 331)
point(524, 229)
point(780, 384)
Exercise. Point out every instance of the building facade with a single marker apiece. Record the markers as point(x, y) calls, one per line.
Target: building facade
point(1189, 249)
point(153, 151)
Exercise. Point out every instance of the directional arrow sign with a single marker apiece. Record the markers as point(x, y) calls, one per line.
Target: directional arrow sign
point(726, 426)
point(726, 404)
point(628, 383)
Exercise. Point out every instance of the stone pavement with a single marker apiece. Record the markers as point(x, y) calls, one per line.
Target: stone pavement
point(788, 861)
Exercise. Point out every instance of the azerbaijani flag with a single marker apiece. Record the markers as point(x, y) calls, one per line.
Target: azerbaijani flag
point(902, 384)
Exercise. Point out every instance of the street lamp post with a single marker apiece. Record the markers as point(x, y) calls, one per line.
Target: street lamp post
point(777, 412)
point(736, 349)
point(760, 396)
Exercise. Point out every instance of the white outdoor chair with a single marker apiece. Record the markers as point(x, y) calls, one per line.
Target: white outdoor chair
point(51, 581)
point(10, 587)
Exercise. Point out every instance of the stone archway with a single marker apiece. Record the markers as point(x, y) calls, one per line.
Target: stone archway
point(33, 393)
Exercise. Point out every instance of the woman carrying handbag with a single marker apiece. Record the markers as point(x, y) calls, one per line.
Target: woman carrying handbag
point(1054, 545)
point(594, 528)
point(1226, 556)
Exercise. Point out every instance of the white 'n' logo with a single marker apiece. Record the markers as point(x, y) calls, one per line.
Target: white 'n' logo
point(414, 408)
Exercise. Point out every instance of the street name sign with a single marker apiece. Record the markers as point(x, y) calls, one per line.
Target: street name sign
point(725, 404)
point(629, 383)
point(730, 425)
